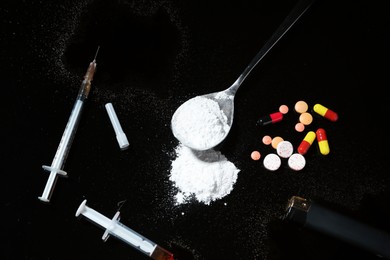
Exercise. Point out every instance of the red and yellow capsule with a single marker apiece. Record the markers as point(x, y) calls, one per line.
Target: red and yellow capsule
point(306, 142)
point(326, 112)
point(271, 118)
point(322, 141)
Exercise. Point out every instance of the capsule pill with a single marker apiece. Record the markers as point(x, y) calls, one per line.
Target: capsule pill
point(326, 112)
point(270, 119)
point(306, 142)
point(322, 141)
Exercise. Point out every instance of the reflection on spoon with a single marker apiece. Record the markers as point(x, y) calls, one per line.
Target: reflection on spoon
point(204, 121)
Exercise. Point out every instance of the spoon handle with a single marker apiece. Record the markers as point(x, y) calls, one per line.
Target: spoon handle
point(298, 10)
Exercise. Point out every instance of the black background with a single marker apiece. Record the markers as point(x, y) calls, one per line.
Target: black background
point(154, 55)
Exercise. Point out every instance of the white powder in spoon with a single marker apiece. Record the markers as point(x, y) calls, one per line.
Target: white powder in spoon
point(199, 123)
point(205, 175)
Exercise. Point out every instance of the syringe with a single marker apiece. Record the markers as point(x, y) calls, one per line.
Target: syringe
point(124, 233)
point(58, 162)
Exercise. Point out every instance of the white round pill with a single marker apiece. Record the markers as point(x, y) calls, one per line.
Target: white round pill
point(296, 162)
point(272, 162)
point(284, 149)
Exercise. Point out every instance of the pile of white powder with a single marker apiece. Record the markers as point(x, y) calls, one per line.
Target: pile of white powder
point(204, 175)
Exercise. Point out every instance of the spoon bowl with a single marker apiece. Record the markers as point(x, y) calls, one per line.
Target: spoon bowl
point(203, 122)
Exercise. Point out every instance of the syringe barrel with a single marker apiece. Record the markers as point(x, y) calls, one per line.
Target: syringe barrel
point(84, 90)
point(68, 135)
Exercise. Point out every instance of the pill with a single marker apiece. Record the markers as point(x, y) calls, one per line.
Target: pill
point(267, 140)
point(275, 141)
point(283, 109)
point(271, 118)
point(306, 118)
point(301, 107)
point(296, 162)
point(306, 142)
point(284, 149)
point(326, 112)
point(322, 141)
point(255, 155)
point(272, 162)
point(299, 127)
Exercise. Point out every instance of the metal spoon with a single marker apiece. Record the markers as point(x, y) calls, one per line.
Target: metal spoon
point(201, 135)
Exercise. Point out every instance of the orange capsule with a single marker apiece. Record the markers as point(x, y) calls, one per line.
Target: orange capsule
point(306, 142)
point(326, 112)
point(322, 141)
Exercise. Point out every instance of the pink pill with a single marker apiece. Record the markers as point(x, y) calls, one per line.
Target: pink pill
point(299, 127)
point(267, 140)
point(283, 109)
point(255, 155)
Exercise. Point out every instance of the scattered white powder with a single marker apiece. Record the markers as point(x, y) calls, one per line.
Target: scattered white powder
point(199, 123)
point(203, 175)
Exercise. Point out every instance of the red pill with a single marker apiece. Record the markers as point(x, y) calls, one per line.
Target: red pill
point(326, 112)
point(306, 142)
point(322, 141)
point(270, 119)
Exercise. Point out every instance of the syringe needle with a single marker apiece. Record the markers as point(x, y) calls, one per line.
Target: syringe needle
point(86, 85)
point(69, 132)
point(98, 48)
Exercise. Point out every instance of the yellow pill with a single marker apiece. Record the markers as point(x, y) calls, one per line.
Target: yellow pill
point(326, 112)
point(322, 141)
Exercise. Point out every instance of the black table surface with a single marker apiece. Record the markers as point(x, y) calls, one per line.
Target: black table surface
point(153, 56)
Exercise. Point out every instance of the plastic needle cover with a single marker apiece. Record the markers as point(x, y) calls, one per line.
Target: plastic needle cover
point(117, 229)
point(120, 135)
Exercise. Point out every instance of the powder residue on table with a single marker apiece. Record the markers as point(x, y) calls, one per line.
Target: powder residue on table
point(203, 175)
